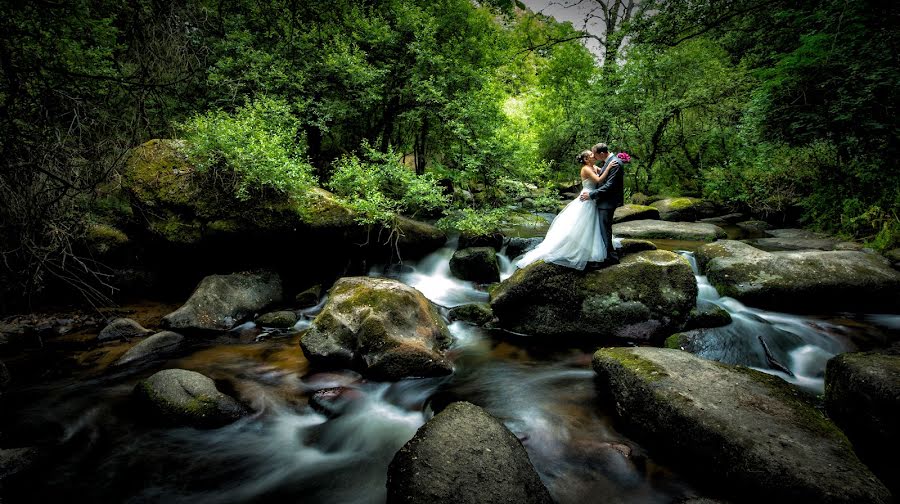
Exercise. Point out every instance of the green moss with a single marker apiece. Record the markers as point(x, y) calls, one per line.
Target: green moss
point(645, 369)
point(675, 341)
point(682, 203)
point(106, 234)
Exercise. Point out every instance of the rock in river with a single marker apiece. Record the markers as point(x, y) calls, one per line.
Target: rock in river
point(122, 328)
point(476, 264)
point(181, 397)
point(805, 281)
point(746, 432)
point(646, 297)
point(464, 456)
point(630, 212)
point(684, 209)
point(222, 301)
point(381, 327)
point(162, 342)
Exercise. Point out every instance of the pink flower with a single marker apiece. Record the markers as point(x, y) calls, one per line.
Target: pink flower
point(624, 157)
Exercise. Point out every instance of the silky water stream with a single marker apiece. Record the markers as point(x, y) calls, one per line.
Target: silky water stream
point(88, 442)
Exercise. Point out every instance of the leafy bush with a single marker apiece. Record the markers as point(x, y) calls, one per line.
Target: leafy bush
point(251, 151)
point(377, 186)
point(472, 222)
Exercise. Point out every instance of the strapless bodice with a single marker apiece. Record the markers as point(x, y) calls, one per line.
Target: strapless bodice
point(588, 184)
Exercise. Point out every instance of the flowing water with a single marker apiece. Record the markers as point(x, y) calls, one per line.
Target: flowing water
point(89, 443)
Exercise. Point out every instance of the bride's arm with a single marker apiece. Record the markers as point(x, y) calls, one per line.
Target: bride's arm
point(599, 179)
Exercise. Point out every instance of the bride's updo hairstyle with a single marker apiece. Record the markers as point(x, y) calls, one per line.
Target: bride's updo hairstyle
point(583, 157)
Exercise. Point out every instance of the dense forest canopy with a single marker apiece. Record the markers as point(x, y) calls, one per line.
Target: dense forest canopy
point(447, 109)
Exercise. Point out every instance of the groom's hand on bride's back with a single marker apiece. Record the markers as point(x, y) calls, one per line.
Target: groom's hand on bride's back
point(584, 196)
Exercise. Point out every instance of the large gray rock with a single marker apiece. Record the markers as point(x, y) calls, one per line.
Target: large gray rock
point(476, 264)
point(862, 396)
point(464, 456)
point(181, 397)
point(807, 281)
point(122, 328)
point(222, 301)
point(684, 209)
point(159, 343)
point(631, 212)
point(746, 432)
point(381, 327)
point(800, 239)
point(655, 229)
point(645, 297)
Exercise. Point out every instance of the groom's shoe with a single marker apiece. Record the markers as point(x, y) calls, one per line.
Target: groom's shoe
point(593, 266)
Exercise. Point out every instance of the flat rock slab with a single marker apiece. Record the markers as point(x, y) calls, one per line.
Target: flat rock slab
point(787, 244)
point(746, 432)
point(222, 301)
point(655, 229)
point(862, 395)
point(646, 298)
point(464, 456)
point(803, 281)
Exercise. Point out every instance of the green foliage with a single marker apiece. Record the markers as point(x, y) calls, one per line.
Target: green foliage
point(471, 222)
point(377, 186)
point(252, 151)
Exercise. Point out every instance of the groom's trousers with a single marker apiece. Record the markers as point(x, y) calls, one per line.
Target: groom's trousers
point(606, 217)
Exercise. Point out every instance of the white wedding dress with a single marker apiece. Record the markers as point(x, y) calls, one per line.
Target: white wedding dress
point(574, 237)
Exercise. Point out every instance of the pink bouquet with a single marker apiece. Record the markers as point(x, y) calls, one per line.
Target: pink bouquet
point(624, 157)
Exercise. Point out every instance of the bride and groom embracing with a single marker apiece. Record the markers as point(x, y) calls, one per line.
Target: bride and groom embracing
point(581, 235)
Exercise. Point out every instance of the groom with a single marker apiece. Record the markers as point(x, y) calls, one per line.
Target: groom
point(609, 196)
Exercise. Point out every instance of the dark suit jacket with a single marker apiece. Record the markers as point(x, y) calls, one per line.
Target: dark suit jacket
point(611, 194)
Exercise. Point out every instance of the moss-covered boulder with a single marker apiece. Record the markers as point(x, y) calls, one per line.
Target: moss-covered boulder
point(179, 397)
point(645, 297)
point(158, 344)
point(708, 315)
point(475, 313)
point(464, 456)
point(805, 281)
point(278, 319)
point(749, 434)
point(625, 246)
point(493, 240)
point(631, 212)
point(684, 209)
point(476, 264)
point(105, 240)
point(380, 327)
point(220, 302)
point(862, 396)
point(417, 238)
point(122, 329)
point(656, 229)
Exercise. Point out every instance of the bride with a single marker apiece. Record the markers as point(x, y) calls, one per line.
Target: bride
point(574, 237)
